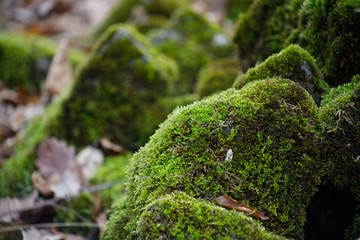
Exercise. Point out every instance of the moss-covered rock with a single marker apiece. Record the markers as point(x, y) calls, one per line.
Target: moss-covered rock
point(178, 216)
point(330, 31)
point(270, 127)
point(155, 8)
point(292, 63)
point(123, 77)
point(25, 59)
point(217, 76)
point(340, 130)
point(263, 29)
point(193, 42)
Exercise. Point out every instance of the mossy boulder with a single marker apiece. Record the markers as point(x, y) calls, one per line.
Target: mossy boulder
point(270, 127)
point(25, 59)
point(330, 31)
point(123, 10)
point(340, 130)
point(123, 77)
point(178, 216)
point(263, 29)
point(236, 7)
point(292, 63)
point(193, 42)
point(217, 76)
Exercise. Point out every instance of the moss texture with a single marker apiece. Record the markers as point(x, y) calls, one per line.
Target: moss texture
point(270, 127)
point(340, 131)
point(177, 216)
point(193, 42)
point(330, 31)
point(263, 29)
point(292, 63)
point(123, 10)
point(217, 76)
point(122, 78)
point(15, 174)
point(25, 59)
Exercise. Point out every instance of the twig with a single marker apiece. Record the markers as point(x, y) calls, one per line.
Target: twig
point(49, 225)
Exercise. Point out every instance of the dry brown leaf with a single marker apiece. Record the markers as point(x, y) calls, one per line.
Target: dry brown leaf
point(54, 157)
point(88, 160)
point(8, 205)
point(60, 73)
point(42, 184)
point(68, 186)
point(9, 96)
point(115, 148)
point(230, 203)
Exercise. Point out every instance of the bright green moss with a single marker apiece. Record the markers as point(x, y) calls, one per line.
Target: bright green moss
point(179, 216)
point(25, 59)
point(122, 78)
point(292, 63)
point(193, 42)
point(113, 170)
point(340, 129)
point(270, 127)
point(15, 174)
point(217, 76)
point(263, 29)
point(330, 31)
point(123, 10)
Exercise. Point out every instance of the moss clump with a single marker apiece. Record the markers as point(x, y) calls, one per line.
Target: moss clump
point(106, 173)
point(15, 175)
point(122, 78)
point(25, 59)
point(340, 130)
point(178, 216)
point(270, 127)
point(330, 31)
point(292, 63)
point(263, 29)
point(193, 42)
point(123, 10)
point(217, 76)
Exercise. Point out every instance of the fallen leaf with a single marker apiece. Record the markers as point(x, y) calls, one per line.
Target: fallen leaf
point(9, 96)
point(5, 132)
point(42, 184)
point(12, 205)
point(115, 148)
point(88, 160)
point(68, 186)
point(60, 72)
point(54, 156)
point(230, 203)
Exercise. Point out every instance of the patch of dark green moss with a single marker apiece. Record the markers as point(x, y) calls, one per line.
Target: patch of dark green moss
point(25, 59)
point(193, 42)
point(217, 76)
point(263, 29)
point(330, 31)
point(269, 126)
point(123, 77)
point(179, 216)
point(340, 130)
point(236, 7)
point(292, 63)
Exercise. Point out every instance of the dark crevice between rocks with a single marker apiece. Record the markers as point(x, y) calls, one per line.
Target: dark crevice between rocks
point(329, 214)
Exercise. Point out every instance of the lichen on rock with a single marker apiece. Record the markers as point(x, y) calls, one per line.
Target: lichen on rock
point(270, 127)
point(123, 76)
point(292, 63)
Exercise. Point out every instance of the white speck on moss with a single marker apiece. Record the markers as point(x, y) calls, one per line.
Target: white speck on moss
point(229, 155)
